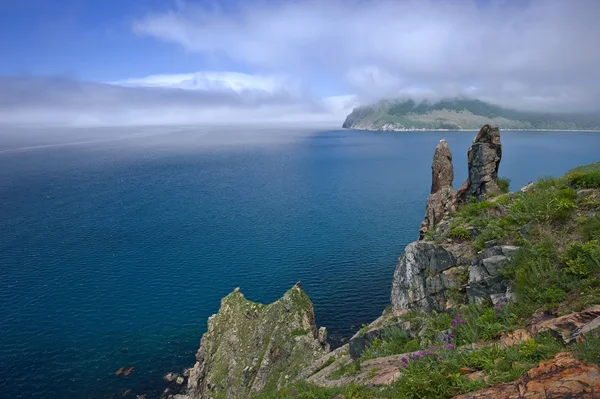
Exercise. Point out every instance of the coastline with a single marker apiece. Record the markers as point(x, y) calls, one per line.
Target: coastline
point(470, 130)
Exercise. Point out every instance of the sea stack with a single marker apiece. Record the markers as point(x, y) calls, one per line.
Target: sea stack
point(483, 159)
point(441, 201)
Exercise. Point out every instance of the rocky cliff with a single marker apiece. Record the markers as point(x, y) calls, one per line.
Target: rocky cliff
point(499, 297)
point(251, 348)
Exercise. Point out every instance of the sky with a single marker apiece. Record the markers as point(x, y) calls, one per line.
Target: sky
point(113, 62)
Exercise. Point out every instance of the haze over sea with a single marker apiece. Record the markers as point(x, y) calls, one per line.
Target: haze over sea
point(118, 244)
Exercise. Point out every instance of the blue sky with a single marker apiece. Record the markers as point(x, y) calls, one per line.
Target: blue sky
point(290, 60)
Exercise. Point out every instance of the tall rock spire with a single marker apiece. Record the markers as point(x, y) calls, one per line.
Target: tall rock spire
point(484, 159)
point(441, 201)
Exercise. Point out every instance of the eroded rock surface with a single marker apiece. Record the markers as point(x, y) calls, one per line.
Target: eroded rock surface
point(572, 327)
point(441, 201)
point(418, 279)
point(560, 378)
point(483, 161)
point(251, 347)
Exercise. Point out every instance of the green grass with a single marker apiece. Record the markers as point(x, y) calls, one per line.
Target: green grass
point(350, 368)
point(459, 233)
point(504, 185)
point(394, 340)
point(327, 363)
point(437, 374)
point(557, 269)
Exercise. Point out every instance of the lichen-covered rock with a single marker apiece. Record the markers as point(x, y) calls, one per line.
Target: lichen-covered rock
point(483, 161)
point(441, 201)
point(377, 329)
point(250, 347)
point(560, 378)
point(417, 282)
point(485, 283)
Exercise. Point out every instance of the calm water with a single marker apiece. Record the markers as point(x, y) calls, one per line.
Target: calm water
point(114, 252)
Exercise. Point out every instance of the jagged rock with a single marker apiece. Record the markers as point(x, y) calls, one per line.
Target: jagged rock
point(484, 282)
point(561, 377)
point(571, 327)
point(240, 356)
point(170, 377)
point(483, 161)
point(410, 287)
point(441, 201)
point(377, 329)
point(322, 335)
point(441, 167)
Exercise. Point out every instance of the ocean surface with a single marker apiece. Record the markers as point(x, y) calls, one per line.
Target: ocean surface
point(116, 245)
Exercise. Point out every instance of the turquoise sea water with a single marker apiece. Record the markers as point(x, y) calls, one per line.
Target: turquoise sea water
point(114, 252)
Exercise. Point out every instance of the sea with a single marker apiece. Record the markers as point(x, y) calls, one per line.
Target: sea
point(117, 244)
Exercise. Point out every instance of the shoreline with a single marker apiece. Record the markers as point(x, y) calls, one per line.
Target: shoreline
point(470, 130)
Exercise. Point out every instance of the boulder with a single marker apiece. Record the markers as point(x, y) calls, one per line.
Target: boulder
point(484, 158)
point(561, 377)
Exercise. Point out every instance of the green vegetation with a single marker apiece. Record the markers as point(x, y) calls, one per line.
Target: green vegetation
point(459, 233)
point(350, 368)
point(394, 340)
point(438, 373)
point(556, 270)
point(504, 185)
point(456, 114)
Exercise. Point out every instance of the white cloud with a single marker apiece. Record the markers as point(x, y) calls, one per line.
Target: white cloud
point(204, 98)
point(546, 48)
point(218, 81)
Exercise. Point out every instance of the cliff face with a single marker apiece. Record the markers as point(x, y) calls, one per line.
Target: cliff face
point(426, 270)
point(250, 347)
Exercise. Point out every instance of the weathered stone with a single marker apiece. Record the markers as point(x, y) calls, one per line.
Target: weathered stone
point(170, 377)
point(484, 158)
point(322, 335)
point(377, 329)
point(484, 281)
point(442, 170)
point(228, 362)
point(560, 378)
point(420, 260)
point(493, 264)
point(441, 201)
point(571, 327)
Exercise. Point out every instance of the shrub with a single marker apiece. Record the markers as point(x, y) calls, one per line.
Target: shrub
point(584, 180)
point(459, 233)
point(583, 259)
point(504, 185)
point(591, 228)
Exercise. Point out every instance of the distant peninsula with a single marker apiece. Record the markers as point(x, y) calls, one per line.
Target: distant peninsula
point(460, 114)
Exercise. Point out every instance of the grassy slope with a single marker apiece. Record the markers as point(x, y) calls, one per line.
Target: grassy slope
point(557, 225)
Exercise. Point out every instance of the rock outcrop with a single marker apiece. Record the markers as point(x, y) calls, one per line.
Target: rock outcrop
point(483, 159)
point(428, 272)
point(419, 281)
point(562, 377)
point(572, 327)
point(441, 202)
point(250, 347)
